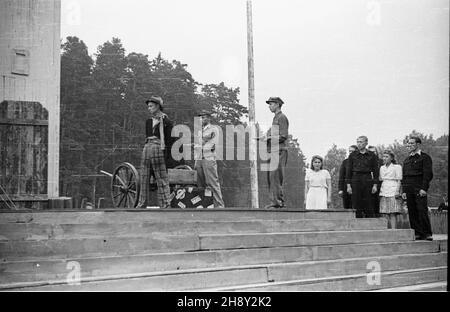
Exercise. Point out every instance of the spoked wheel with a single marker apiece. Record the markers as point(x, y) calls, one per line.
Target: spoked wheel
point(125, 186)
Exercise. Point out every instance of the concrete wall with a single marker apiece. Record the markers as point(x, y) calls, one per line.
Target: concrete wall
point(33, 27)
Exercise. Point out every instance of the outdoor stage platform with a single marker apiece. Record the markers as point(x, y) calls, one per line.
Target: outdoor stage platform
point(213, 249)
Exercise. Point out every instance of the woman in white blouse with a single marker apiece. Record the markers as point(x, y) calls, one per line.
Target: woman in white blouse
point(317, 185)
point(390, 199)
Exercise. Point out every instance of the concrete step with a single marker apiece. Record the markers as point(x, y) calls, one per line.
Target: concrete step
point(162, 242)
point(48, 269)
point(437, 286)
point(149, 215)
point(388, 281)
point(77, 247)
point(37, 231)
point(259, 240)
point(294, 271)
point(241, 275)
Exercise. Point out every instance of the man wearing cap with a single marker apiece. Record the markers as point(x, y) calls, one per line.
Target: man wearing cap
point(277, 143)
point(156, 153)
point(206, 164)
point(417, 176)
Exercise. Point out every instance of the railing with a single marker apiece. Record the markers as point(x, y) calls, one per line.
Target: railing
point(438, 220)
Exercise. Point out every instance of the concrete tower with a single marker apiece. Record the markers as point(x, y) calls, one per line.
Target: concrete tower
point(30, 66)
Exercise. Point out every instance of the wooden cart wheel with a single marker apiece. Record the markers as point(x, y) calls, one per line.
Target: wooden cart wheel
point(125, 186)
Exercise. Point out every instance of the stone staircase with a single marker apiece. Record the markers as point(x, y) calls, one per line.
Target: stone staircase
point(214, 250)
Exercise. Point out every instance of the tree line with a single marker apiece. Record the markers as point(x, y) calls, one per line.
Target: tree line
point(103, 112)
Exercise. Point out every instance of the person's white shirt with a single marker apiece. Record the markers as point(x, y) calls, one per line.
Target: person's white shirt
point(391, 177)
point(318, 178)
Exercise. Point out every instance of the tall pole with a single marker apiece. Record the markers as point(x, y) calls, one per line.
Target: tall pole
point(251, 109)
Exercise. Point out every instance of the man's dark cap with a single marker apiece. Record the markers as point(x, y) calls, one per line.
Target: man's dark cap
point(156, 100)
point(275, 100)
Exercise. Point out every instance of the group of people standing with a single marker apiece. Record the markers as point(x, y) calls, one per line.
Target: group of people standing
point(156, 155)
point(375, 187)
point(370, 185)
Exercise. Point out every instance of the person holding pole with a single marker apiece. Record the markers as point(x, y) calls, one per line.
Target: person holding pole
point(277, 143)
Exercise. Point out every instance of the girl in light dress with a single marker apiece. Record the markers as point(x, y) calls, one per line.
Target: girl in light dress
point(317, 186)
point(390, 199)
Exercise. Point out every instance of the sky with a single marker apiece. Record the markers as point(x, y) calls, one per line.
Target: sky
point(344, 68)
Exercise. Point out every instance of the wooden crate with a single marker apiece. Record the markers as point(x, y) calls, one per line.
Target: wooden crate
point(180, 176)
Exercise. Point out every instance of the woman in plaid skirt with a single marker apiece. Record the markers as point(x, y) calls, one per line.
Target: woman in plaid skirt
point(156, 153)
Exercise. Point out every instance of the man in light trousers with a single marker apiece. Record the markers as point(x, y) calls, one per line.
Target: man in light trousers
point(206, 166)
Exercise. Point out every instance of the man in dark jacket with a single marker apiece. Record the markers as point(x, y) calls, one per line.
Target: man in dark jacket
point(346, 197)
point(376, 196)
point(362, 176)
point(417, 175)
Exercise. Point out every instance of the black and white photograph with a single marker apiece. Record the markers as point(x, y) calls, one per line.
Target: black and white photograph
point(224, 151)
